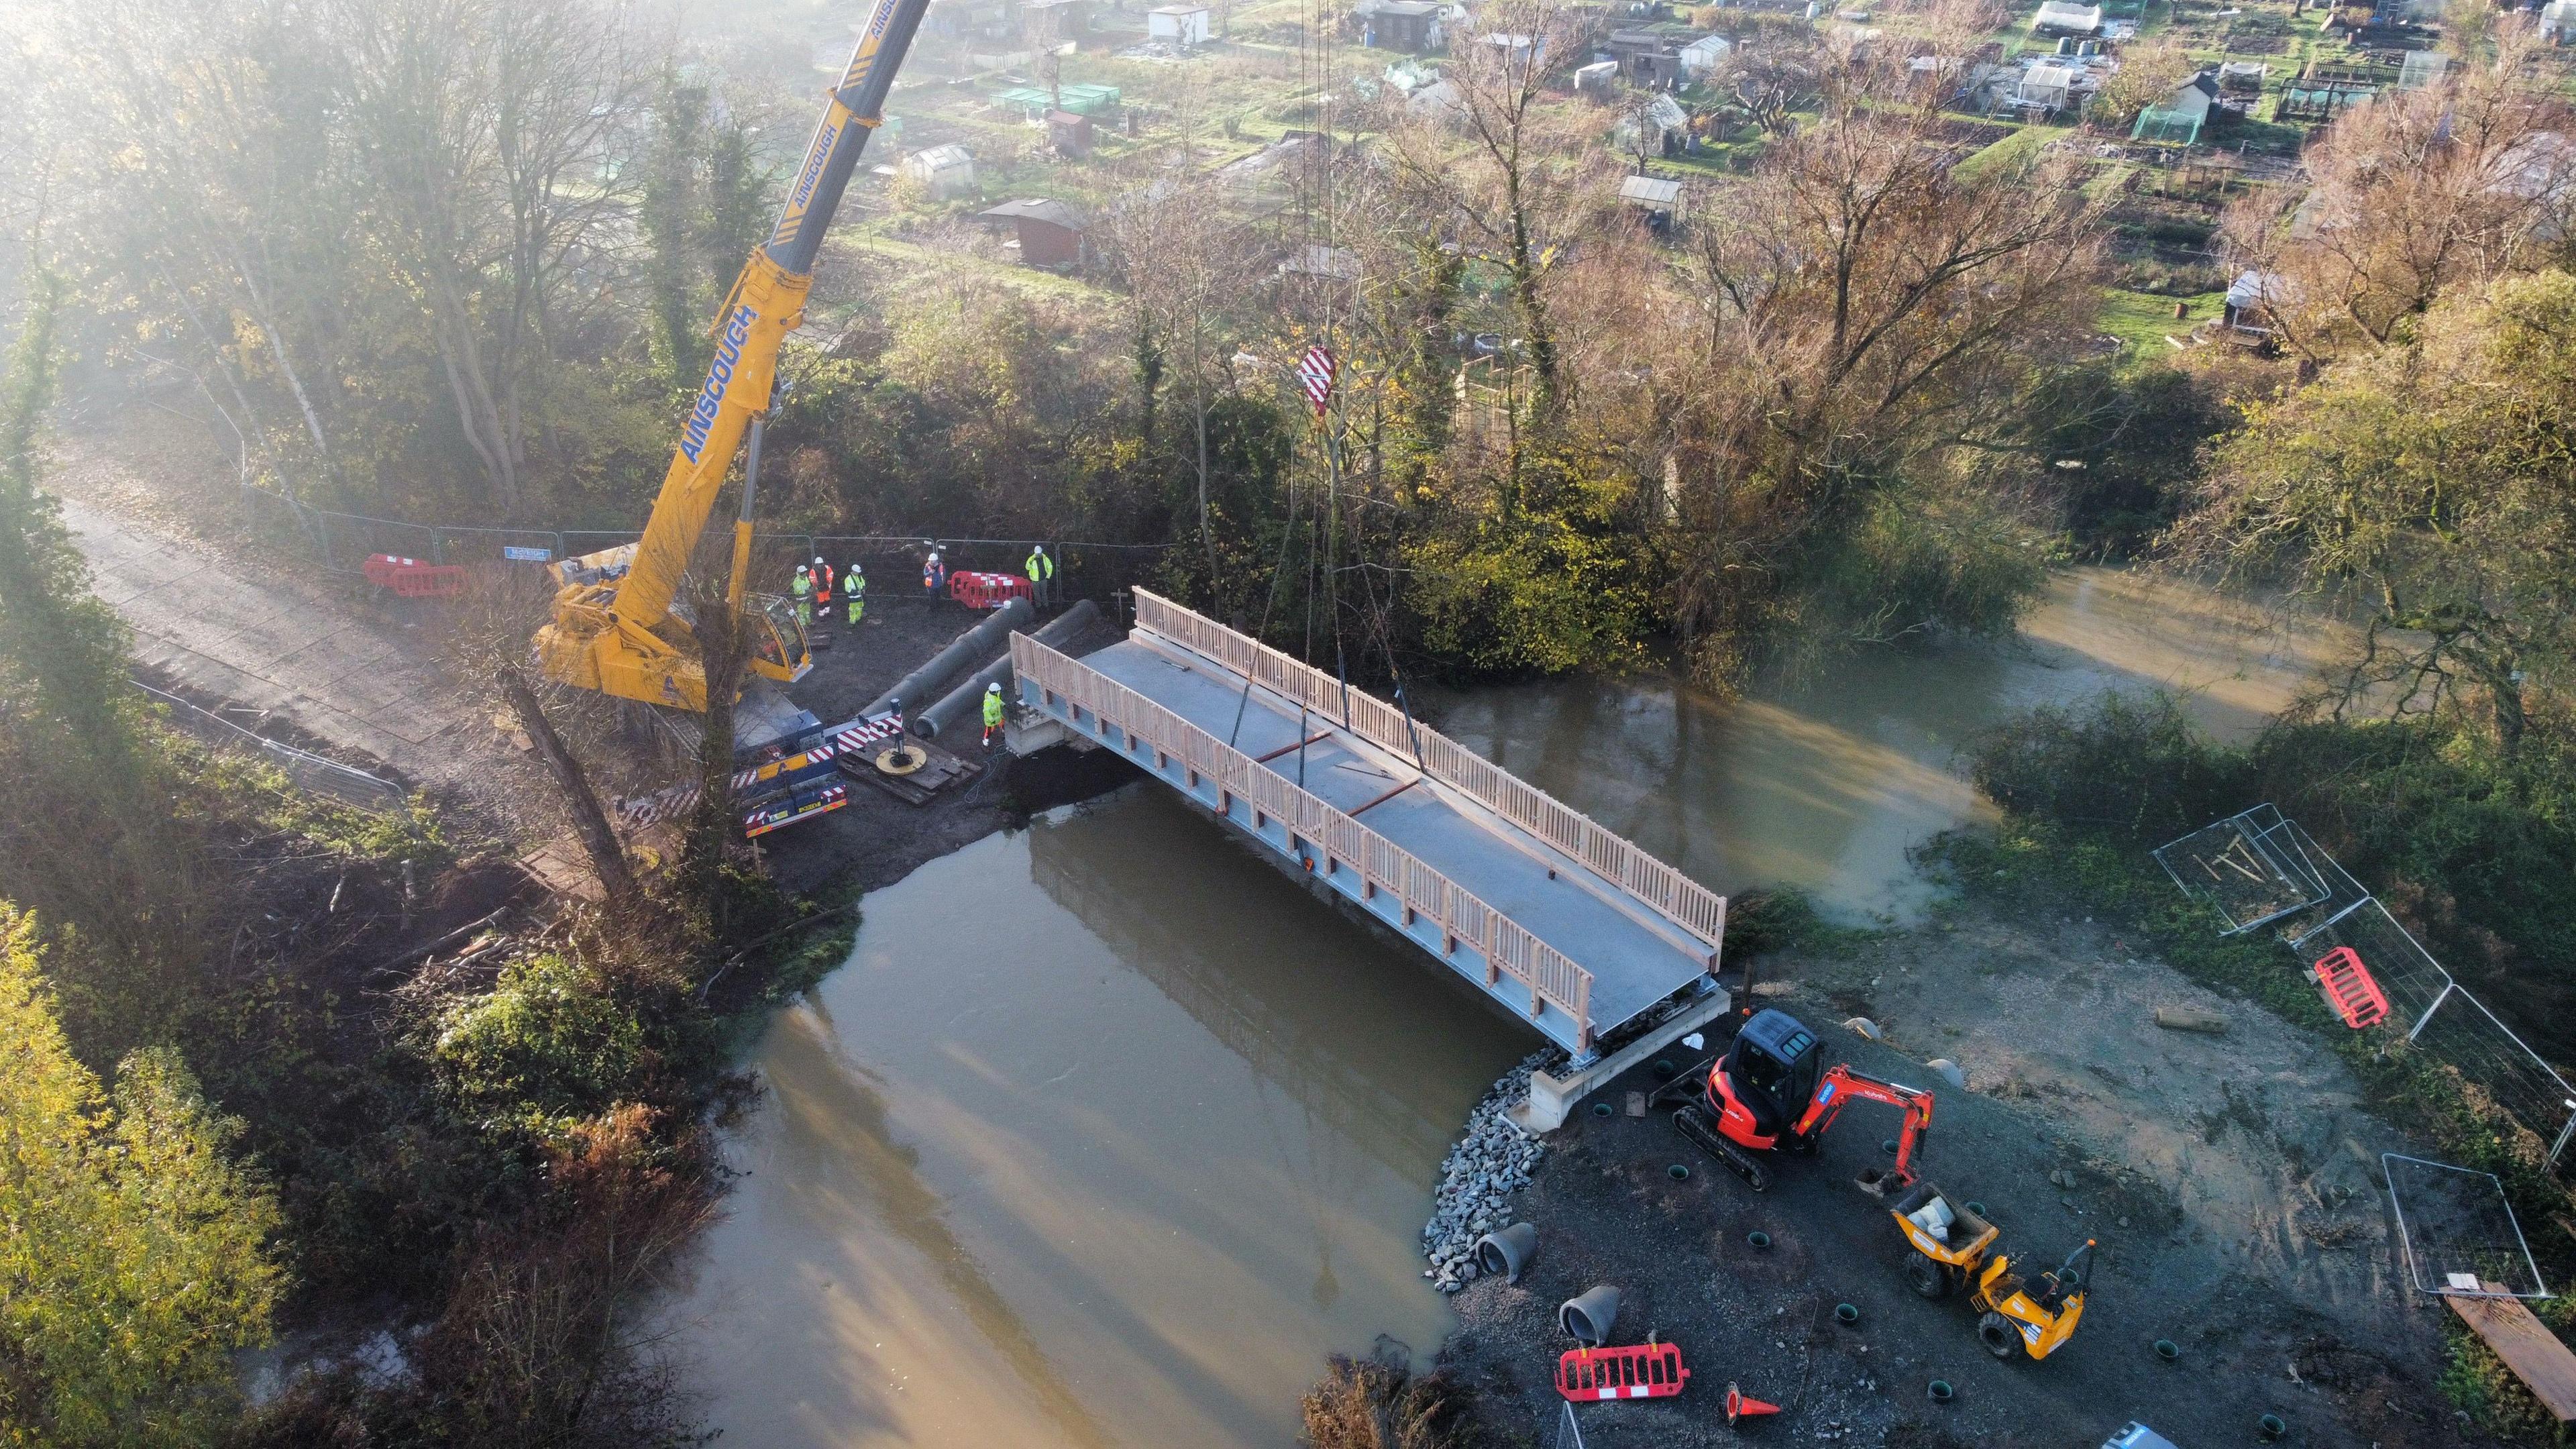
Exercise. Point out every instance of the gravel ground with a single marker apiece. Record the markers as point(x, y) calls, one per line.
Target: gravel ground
point(2228, 1179)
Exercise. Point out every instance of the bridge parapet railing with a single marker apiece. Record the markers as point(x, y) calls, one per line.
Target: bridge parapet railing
point(1674, 896)
point(1508, 947)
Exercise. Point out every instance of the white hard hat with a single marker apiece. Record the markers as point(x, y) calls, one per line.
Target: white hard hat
point(800, 568)
point(992, 689)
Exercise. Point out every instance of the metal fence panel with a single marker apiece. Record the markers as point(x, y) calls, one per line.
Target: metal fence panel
point(2251, 867)
point(2462, 1033)
point(309, 772)
point(2458, 1231)
point(2248, 868)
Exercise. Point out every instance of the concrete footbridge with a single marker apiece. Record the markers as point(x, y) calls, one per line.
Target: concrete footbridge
point(1575, 930)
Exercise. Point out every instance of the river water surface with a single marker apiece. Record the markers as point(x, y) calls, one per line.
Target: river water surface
point(1107, 1132)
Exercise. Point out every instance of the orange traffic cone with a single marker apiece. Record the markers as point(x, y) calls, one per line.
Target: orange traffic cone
point(1738, 1406)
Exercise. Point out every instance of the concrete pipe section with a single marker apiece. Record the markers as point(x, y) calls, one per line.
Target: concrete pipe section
point(1505, 1254)
point(961, 654)
point(1587, 1319)
point(964, 704)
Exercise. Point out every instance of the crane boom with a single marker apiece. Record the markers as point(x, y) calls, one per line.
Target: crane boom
point(613, 620)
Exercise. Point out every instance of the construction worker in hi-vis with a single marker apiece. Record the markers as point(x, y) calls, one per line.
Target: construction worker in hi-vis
point(934, 574)
point(992, 713)
point(823, 587)
point(1041, 574)
point(854, 587)
point(803, 589)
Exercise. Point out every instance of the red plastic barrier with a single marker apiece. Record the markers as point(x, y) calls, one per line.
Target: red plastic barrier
point(1639, 1371)
point(412, 578)
point(2350, 988)
point(986, 591)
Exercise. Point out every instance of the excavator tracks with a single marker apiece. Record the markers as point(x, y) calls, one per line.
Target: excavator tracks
point(1693, 1123)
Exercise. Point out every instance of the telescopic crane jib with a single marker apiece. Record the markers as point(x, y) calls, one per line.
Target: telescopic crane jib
point(613, 628)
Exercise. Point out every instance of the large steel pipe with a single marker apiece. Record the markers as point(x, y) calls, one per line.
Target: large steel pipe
point(962, 653)
point(964, 704)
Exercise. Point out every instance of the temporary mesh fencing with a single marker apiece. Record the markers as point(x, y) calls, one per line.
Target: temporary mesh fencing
point(1569, 1431)
point(309, 772)
point(344, 541)
point(2459, 1232)
point(2259, 868)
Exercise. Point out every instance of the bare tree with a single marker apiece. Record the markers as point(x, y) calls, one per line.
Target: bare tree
point(230, 217)
point(1775, 77)
point(1516, 175)
point(487, 126)
point(1867, 315)
point(2464, 181)
point(1184, 264)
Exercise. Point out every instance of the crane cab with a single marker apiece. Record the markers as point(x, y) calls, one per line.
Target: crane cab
point(778, 647)
point(1765, 1081)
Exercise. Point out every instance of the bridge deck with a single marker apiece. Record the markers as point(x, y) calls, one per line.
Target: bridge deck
point(1626, 955)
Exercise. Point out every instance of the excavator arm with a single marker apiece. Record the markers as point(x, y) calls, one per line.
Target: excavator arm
point(613, 628)
point(1840, 1085)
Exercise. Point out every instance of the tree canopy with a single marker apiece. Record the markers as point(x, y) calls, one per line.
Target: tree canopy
point(136, 1257)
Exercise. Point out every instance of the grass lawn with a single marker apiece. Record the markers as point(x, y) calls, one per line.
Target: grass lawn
point(2012, 150)
point(2143, 320)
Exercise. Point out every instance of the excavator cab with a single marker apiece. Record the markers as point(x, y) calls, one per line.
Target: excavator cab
point(779, 650)
point(1766, 1079)
point(1773, 1092)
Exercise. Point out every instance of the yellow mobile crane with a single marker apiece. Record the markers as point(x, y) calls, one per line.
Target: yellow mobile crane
point(614, 629)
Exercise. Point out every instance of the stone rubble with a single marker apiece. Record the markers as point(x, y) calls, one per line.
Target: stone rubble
point(1493, 1160)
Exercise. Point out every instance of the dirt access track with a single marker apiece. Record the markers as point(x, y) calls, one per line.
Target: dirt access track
point(2231, 1181)
point(151, 504)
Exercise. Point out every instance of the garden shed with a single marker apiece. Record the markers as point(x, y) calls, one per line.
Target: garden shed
point(1177, 24)
point(1658, 200)
point(1049, 233)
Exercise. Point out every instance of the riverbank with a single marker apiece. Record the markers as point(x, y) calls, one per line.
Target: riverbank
point(2229, 1179)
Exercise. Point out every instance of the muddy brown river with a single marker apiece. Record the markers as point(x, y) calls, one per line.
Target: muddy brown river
point(1107, 1133)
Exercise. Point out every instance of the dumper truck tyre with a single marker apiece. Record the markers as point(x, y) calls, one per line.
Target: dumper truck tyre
point(1927, 1277)
point(1999, 1336)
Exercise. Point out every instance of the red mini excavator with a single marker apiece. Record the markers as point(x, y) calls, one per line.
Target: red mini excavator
point(1771, 1092)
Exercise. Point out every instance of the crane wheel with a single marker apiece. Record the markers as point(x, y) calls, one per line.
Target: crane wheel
point(1927, 1277)
point(1996, 1332)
